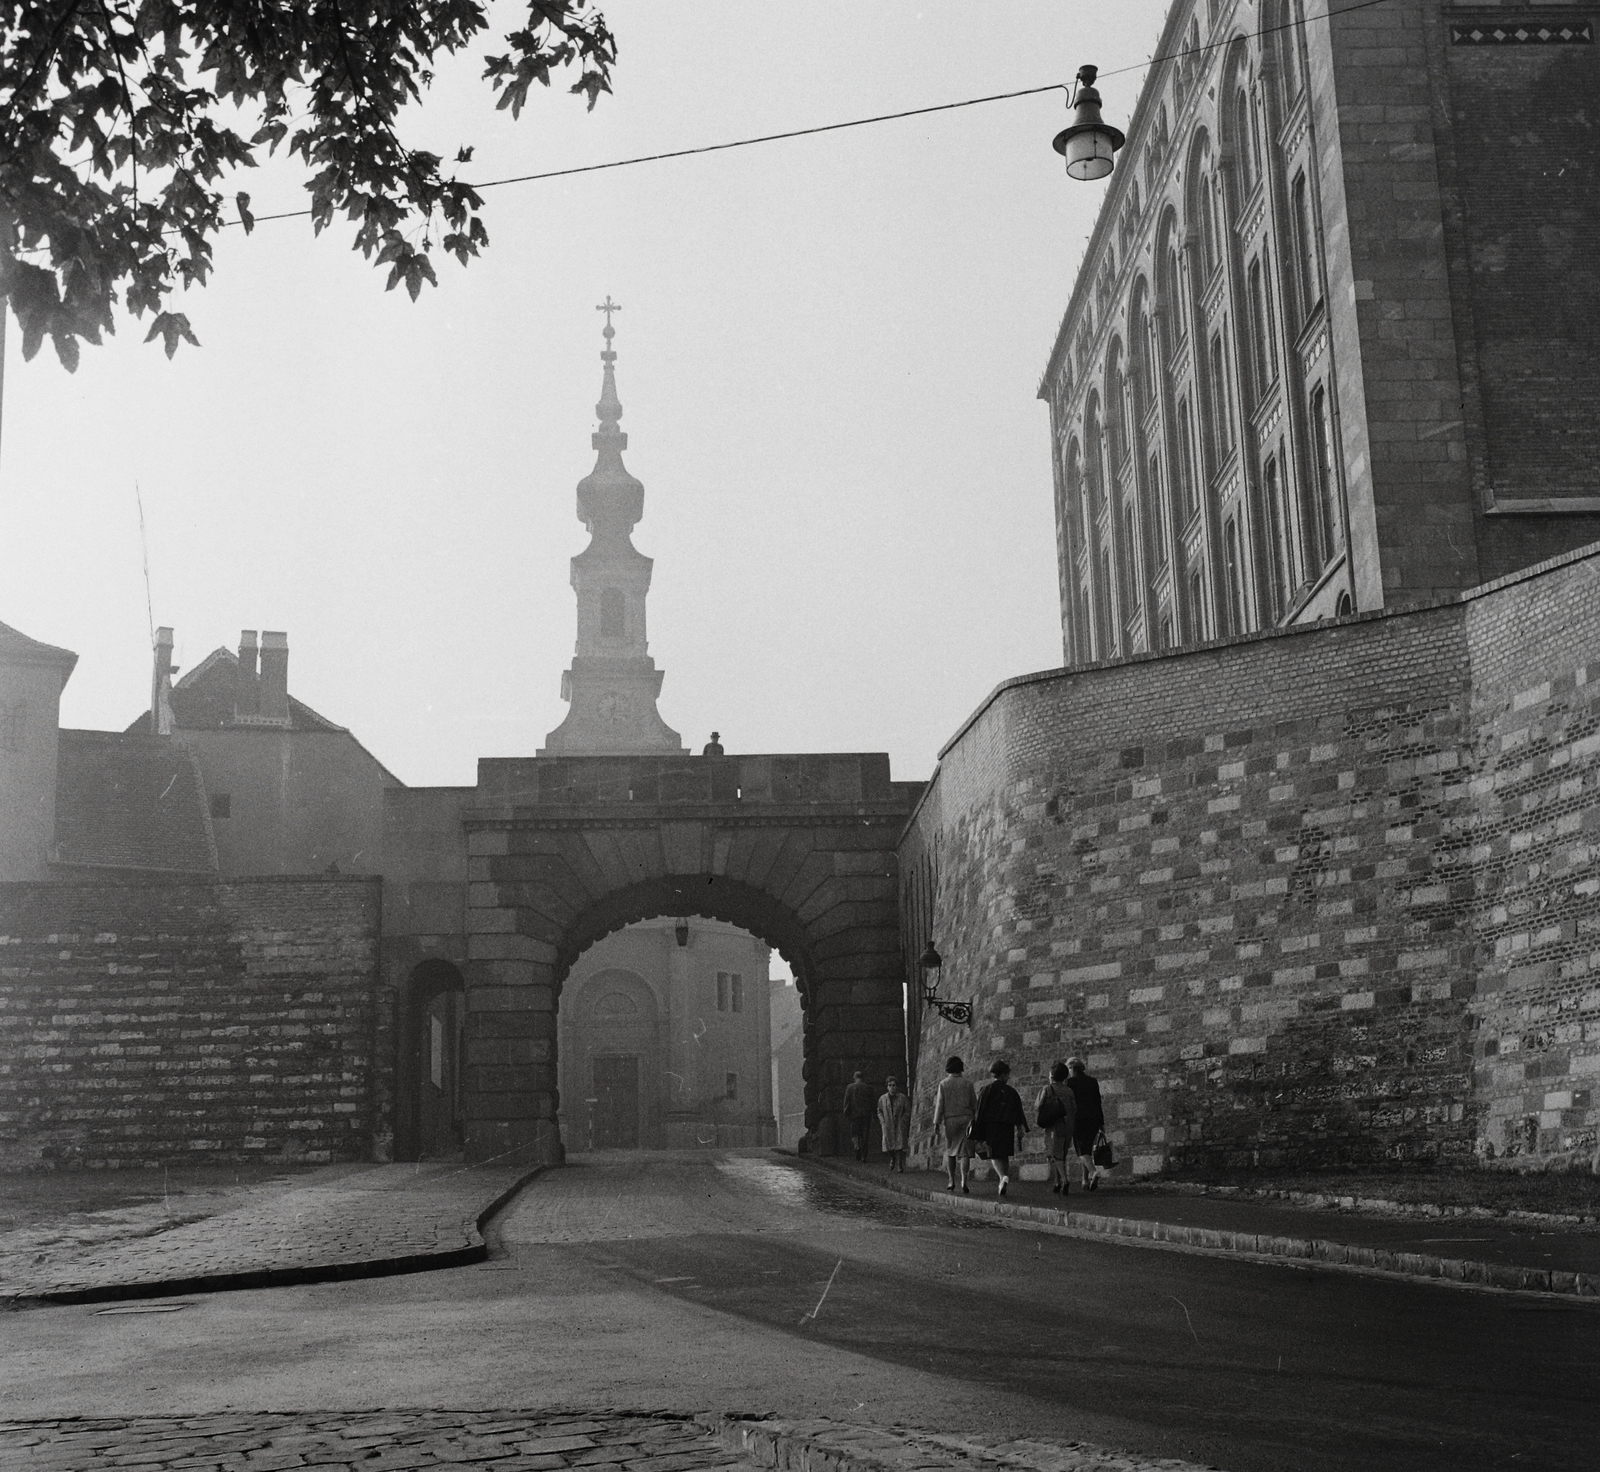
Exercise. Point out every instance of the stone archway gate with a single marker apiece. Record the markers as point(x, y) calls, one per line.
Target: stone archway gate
point(799, 850)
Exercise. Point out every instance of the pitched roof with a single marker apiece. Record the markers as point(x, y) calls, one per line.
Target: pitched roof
point(17, 648)
point(131, 802)
point(204, 700)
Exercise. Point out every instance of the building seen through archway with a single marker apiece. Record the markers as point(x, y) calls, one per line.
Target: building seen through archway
point(664, 1039)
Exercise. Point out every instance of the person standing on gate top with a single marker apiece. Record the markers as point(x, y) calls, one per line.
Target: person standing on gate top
point(998, 1119)
point(894, 1124)
point(955, 1101)
point(859, 1107)
point(1089, 1123)
point(1056, 1114)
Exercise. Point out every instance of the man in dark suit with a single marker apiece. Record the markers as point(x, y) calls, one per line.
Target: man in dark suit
point(860, 1104)
point(1090, 1120)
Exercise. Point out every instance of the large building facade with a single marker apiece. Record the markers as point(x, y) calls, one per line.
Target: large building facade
point(1335, 345)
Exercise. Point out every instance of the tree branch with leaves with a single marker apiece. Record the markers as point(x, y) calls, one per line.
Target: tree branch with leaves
point(117, 131)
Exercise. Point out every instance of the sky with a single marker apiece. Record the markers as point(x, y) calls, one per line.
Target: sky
point(829, 352)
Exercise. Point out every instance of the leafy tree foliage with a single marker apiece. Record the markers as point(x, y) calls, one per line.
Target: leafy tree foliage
point(118, 124)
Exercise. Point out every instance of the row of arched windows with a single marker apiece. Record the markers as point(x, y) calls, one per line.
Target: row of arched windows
point(1198, 483)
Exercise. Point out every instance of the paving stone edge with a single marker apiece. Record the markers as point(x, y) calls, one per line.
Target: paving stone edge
point(475, 1250)
point(1459, 1272)
point(810, 1446)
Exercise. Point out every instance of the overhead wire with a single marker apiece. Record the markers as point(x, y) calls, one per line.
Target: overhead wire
point(886, 117)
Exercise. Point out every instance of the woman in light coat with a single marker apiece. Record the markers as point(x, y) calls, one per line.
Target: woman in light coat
point(894, 1124)
point(954, 1103)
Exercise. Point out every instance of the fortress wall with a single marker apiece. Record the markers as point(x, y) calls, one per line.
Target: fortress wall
point(1535, 836)
point(143, 1022)
point(1247, 882)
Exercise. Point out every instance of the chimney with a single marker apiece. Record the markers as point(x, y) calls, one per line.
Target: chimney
point(247, 693)
point(274, 676)
point(161, 684)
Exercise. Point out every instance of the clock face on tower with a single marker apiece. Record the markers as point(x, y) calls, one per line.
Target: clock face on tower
point(613, 708)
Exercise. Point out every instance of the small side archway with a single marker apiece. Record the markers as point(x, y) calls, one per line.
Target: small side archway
point(429, 1117)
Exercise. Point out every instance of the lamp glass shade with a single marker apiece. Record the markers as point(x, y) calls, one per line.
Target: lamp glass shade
point(1089, 153)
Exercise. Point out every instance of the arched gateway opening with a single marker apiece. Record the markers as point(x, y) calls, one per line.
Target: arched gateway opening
point(558, 852)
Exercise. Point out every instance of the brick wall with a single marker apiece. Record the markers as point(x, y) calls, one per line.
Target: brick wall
point(1255, 884)
point(143, 1022)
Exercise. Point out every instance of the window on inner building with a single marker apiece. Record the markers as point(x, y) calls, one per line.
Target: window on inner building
point(1197, 604)
point(730, 1086)
point(13, 725)
point(1166, 631)
point(613, 613)
point(730, 991)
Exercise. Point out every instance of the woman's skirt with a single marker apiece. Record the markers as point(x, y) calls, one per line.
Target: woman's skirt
point(955, 1135)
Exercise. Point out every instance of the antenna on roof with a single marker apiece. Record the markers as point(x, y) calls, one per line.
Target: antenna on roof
point(144, 550)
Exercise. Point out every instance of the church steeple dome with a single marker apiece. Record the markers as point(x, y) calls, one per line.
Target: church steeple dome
point(610, 501)
point(613, 682)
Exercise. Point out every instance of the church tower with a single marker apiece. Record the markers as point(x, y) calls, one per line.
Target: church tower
point(613, 683)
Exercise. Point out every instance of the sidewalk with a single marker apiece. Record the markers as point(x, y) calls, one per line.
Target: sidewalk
point(1522, 1257)
point(528, 1441)
point(346, 1223)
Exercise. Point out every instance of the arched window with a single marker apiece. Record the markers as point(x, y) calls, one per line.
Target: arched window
point(1308, 278)
point(1158, 501)
point(1244, 142)
point(1074, 487)
point(1186, 462)
point(1278, 526)
point(613, 614)
point(1116, 404)
point(1131, 559)
point(1094, 455)
point(1230, 557)
point(1263, 338)
point(1322, 468)
point(1221, 397)
point(1204, 202)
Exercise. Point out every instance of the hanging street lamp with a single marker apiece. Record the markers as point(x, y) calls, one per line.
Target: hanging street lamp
point(959, 1013)
point(1088, 145)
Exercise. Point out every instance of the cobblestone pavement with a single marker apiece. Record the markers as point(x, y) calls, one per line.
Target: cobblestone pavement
point(510, 1441)
point(382, 1219)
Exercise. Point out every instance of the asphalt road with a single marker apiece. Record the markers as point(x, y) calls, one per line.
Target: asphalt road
point(748, 1283)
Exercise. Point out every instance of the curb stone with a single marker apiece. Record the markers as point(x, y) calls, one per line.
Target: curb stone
point(1338, 1255)
point(836, 1446)
point(473, 1250)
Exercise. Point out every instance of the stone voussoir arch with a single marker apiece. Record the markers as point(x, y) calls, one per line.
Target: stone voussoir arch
point(805, 860)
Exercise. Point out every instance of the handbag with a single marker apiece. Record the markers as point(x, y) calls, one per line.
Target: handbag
point(1103, 1154)
point(976, 1145)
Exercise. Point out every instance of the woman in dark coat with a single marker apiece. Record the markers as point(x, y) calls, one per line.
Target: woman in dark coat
point(998, 1119)
point(1091, 1119)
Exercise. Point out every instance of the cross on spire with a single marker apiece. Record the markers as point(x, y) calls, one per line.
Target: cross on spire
point(608, 307)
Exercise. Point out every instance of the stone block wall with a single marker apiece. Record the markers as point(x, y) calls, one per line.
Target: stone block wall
point(1259, 885)
point(144, 1022)
point(1535, 860)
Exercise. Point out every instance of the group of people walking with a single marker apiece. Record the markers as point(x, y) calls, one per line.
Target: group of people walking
point(991, 1121)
